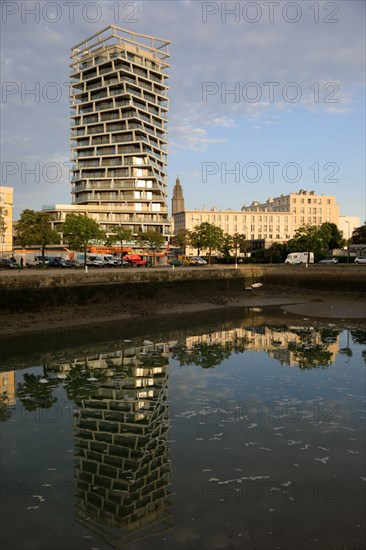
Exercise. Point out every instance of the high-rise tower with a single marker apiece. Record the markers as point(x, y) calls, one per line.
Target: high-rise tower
point(119, 112)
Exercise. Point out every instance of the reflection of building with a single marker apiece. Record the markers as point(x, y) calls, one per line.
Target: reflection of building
point(6, 211)
point(119, 149)
point(7, 387)
point(263, 338)
point(123, 473)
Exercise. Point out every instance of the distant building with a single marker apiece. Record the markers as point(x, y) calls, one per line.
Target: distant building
point(118, 131)
point(6, 207)
point(178, 199)
point(306, 207)
point(261, 229)
point(263, 224)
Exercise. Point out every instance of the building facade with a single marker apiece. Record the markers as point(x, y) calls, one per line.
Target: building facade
point(6, 211)
point(274, 221)
point(258, 227)
point(119, 103)
point(306, 208)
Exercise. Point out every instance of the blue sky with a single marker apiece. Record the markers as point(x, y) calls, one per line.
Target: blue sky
point(306, 129)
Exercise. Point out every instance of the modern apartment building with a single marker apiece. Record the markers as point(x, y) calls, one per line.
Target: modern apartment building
point(6, 210)
point(119, 106)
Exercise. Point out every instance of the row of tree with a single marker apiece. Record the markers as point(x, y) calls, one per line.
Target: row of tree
point(315, 238)
point(80, 231)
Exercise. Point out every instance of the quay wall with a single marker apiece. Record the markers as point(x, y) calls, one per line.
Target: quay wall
point(38, 289)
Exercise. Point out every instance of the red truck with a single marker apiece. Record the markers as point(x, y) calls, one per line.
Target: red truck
point(136, 261)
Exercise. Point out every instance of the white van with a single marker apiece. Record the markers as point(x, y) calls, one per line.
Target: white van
point(300, 258)
point(110, 260)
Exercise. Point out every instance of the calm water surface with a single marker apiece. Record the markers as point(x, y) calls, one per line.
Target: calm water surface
point(240, 434)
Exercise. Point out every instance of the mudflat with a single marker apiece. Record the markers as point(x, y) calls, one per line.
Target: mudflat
point(303, 303)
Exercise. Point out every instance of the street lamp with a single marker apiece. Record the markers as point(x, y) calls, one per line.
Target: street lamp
point(347, 222)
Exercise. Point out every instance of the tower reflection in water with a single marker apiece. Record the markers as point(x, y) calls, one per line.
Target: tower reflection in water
point(123, 473)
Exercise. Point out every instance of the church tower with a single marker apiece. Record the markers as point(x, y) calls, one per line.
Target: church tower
point(178, 199)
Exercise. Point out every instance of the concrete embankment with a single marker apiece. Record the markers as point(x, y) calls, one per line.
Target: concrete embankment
point(27, 290)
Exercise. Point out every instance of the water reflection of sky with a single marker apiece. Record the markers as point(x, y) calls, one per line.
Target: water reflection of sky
point(240, 437)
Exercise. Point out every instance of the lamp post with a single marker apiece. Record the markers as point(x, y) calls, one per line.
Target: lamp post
point(347, 222)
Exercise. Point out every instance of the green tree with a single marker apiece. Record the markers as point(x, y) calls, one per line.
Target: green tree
point(336, 237)
point(226, 246)
point(120, 235)
point(181, 239)
point(359, 235)
point(34, 228)
point(310, 238)
point(153, 240)
point(241, 243)
point(80, 231)
point(207, 236)
point(277, 252)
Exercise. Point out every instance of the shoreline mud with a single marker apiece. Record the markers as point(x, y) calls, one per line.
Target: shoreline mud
point(300, 303)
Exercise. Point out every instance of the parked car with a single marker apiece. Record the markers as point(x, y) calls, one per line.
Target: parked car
point(94, 261)
point(58, 261)
point(196, 260)
point(40, 261)
point(329, 261)
point(176, 263)
point(8, 263)
point(360, 260)
point(74, 263)
point(123, 263)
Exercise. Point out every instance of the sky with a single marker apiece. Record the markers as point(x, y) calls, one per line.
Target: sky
point(266, 97)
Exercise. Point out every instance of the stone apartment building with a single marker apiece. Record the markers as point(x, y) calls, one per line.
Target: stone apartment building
point(263, 224)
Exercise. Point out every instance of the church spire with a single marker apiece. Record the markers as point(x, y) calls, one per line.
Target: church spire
point(178, 198)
